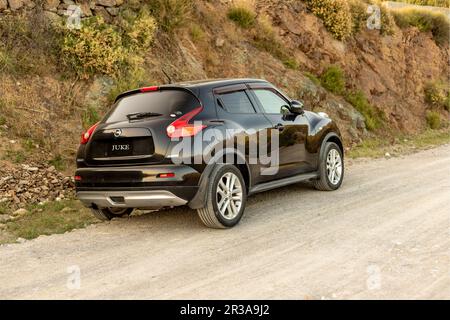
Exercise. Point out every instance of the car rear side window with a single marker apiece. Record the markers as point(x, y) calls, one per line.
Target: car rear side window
point(236, 102)
point(164, 102)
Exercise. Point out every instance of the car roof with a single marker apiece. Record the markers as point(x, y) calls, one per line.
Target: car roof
point(213, 83)
point(195, 86)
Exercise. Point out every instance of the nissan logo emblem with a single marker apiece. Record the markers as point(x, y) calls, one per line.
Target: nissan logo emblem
point(117, 133)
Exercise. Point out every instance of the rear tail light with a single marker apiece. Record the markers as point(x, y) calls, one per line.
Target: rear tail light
point(87, 135)
point(182, 128)
point(77, 178)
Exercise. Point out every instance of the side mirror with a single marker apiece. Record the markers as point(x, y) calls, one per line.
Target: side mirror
point(297, 107)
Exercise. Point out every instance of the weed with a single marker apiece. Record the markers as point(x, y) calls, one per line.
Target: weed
point(312, 77)
point(358, 100)
point(171, 14)
point(58, 162)
point(433, 119)
point(426, 21)
point(89, 117)
point(242, 16)
point(333, 79)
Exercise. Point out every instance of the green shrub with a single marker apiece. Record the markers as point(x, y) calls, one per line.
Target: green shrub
point(291, 63)
point(335, 15)
point(139, 30)
point(58, 162)
point(101, 48)
point(434, 94)
point(197, 33)
point(426, 21)
point(358, 100)
point(89, 117)
point(387, 20)
point(359, 14)
point(95, 48)
point(433, 119)
point(171, 14)
point(242, 16)
point(2, 120)
point(333, 79)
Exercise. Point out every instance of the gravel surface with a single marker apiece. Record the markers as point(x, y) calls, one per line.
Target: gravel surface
point(384, 234)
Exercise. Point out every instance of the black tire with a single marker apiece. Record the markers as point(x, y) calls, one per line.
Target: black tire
point(109, 213)
point(323, 182)
point(210, 215)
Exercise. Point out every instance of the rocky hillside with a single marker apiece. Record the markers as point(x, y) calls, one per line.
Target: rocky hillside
point(375, 83)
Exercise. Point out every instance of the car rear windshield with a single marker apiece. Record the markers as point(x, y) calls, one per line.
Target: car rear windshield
point(164, 102)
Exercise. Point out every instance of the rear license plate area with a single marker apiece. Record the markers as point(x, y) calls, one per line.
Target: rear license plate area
point(121, 148)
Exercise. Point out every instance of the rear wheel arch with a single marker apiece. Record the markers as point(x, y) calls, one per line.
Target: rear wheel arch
point(239, 162)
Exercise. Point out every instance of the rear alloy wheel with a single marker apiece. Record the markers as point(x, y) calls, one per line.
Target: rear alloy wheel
point(331, 168)
point(109, 213)
point(226, 197)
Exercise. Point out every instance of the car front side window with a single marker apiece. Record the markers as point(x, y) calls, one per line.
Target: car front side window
point(270, 101)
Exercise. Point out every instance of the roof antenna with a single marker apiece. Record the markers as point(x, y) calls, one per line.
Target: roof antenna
point(168, 77)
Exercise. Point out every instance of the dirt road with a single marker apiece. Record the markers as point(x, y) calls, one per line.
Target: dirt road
point(384, 234)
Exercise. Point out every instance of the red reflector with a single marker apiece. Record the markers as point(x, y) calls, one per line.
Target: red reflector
point(166, 175)
point(148, 89)
point(77, 178)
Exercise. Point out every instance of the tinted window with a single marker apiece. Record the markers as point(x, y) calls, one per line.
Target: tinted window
point(270, 101)
point(164, 102)
point(237, 102)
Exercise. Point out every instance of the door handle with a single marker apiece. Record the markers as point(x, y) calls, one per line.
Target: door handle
point(279, 126)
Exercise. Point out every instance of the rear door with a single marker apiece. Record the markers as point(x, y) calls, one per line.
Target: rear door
point(134, 130)
point(293, 129)
point(239, 112)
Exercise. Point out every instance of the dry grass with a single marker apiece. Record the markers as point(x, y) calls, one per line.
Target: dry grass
point(51, 218)
point(426, 21)
point(402, 144)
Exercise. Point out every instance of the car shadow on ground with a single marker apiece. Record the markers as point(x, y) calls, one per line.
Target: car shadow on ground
point(184, 217)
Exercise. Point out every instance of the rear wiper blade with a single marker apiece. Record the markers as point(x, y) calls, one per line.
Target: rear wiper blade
point(141, 115)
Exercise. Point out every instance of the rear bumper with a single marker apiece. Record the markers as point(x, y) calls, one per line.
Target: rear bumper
point(130, 199)
point(136, 187)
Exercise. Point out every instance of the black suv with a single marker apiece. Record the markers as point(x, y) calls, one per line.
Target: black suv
point(206, 144)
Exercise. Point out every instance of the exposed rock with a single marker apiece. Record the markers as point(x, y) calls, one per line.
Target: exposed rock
point(3, 5)
point(15, 4)
point(67, 209)
point(4, 218)
point(85, 9)
point(20, 212)
point(51, 5)
point(101, 11)
point(113, 11)
point(20, 185)
point(220, 42)
point(107, 3)
point(21, 240)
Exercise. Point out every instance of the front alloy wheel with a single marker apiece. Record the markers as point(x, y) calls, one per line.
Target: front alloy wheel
point(331, 168)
